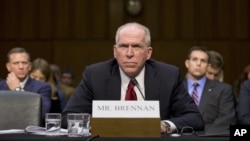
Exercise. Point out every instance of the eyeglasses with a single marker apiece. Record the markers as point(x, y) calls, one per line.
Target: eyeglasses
point(186, 130)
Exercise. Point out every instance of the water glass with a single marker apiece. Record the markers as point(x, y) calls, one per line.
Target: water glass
point(78, 124)
point(53, 124)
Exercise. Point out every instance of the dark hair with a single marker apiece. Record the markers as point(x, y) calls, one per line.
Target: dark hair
point(17, 50)
point(198, 48)
point(68, 71)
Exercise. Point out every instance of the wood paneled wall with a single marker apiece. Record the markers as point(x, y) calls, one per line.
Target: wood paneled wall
point(76, 33)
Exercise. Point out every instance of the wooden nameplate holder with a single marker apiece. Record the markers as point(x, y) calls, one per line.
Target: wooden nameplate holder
point(126, 127)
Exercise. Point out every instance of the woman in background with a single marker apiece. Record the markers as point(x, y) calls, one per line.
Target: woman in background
point(41, 71)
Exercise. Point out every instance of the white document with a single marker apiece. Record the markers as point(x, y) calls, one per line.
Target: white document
point(41, 130)
point(31, 129)
point(12, 131)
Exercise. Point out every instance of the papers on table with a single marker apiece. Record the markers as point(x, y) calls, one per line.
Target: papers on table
point(41, 130)
point(12, 131)
point(32, 130)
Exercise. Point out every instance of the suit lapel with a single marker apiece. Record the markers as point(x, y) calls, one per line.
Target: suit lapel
point(205, 95)
point(113, 88)
point(113, 83)
point(29, 85)
point(151, 84)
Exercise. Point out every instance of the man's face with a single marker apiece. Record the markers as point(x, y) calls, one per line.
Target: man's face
point(19, 64)
point(197, 64)
point(66, 79)
point(131, 51)
point(213, 73)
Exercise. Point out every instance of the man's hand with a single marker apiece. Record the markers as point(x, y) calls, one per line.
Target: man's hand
point(12, 81)
point(165, 127)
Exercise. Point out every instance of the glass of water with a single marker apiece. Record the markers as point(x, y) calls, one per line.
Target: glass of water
point(78, 124)
point(53, 124)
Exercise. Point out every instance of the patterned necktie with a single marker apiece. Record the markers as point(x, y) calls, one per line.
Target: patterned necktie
point(130, 94)
point(195, 93)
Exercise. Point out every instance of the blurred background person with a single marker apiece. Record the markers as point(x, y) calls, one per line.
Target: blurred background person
point(243, 108)
point(41, 71)
point(215, 66)
point(68, 90)
point(67, 77)
point(245, 75)
point(19, 65)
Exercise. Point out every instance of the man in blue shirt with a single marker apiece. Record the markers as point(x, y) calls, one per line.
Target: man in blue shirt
point(214, 99)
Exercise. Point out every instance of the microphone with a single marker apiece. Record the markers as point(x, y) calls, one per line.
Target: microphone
point(134, 81)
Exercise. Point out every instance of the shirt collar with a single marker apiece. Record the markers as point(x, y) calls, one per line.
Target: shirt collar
point(24, 82)
point(201, 82)
point(140, 78)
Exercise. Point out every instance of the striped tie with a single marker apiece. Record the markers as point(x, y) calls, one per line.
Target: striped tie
point(195, 93)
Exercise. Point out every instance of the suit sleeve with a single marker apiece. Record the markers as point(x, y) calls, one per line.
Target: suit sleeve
point(45, 92)
point(243, 108)
point(226, 111)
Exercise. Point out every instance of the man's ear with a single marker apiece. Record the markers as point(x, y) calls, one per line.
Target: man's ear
point(8, 67)
point(186, 63)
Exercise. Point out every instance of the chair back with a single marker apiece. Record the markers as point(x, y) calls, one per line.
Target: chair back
point(19, 109)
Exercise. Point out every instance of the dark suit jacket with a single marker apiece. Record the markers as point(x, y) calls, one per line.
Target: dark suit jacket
point(35, 86)
point(243, 107)
point(102, 81)
point(217, 106)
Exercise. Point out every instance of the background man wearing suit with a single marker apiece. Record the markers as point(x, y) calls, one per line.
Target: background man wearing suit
point(158, 81)
point(215, 99)
point(215, 66)
point(18, 78)
point(243, 107)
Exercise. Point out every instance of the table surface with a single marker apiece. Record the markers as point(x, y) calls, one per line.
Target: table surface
point(32, 137)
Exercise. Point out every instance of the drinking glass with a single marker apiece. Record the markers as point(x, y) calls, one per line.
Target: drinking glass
point(53, 124)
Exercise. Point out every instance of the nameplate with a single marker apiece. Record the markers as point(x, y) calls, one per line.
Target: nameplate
point(239, 131)
point(125, 119)
point(125, 109)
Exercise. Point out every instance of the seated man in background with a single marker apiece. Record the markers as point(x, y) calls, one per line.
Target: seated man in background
point(243, 107)
point(18, 79)
point(214, 99)
point(67, 77)
point(158, 81)
point(56, 71)
point(215, 66)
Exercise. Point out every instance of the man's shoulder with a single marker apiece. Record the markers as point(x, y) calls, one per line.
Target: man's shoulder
point(37, 83)
point(246, 83)
point(218, 84)
point(2, 81)
point(3, 84)
point(67, 88)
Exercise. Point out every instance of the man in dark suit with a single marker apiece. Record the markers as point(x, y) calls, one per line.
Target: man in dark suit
point(214, 99)
point(18, 78)
point(158, 81)
point(243, 107)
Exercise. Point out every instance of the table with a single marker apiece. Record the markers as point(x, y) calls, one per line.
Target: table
point(32, 137)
